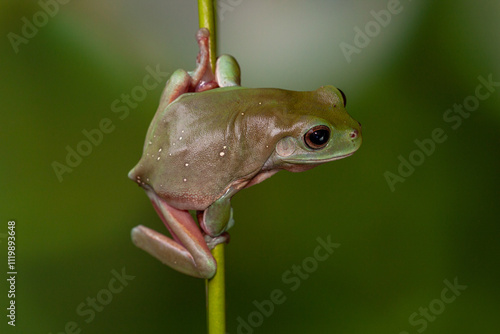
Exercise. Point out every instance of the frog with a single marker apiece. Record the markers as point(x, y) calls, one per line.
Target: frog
point(210, 138)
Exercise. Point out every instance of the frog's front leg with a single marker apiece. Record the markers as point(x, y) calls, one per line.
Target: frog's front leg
point(200, 79)
point(217, 219)
point(188, 252)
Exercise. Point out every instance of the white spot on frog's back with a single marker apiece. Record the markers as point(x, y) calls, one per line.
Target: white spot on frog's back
point(222, 153)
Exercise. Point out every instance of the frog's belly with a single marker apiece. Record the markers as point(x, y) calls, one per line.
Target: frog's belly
point(192, 200)
point(199, 195)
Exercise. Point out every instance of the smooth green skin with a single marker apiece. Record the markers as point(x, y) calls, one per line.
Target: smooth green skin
point(206, 143)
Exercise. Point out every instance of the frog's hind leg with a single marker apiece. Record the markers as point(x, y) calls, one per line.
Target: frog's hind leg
point(188, 253)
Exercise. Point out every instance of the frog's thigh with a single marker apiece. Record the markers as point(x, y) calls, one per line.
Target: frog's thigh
point(227, 71)
point(189, 255)
point(218, 217)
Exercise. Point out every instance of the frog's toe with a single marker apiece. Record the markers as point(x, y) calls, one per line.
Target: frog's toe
point(227, 71)
point(202, 33)
point(214, 241)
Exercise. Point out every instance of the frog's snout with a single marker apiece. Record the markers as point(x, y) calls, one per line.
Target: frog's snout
point(355, 136)
point(355, 133)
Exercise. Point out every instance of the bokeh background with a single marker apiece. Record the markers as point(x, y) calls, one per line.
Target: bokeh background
point(397, 246)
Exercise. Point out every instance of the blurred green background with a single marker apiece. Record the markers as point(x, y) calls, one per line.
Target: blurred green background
point(398, 244)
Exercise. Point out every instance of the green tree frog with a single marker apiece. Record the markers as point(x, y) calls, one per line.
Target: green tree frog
point(210, 138)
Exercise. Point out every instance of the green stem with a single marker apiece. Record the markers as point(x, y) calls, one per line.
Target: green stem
point(216, 294)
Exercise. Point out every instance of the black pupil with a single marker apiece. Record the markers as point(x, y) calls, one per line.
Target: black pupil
point(319, 137)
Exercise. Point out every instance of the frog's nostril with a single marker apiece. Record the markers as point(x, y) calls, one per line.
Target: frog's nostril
point(353, 134)
point(359, 124)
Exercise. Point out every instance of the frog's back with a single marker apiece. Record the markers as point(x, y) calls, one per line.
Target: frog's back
point(203, 143)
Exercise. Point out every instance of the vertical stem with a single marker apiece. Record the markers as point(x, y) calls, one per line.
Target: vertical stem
point(215, 287)
point(216, 295)
point(206, 16)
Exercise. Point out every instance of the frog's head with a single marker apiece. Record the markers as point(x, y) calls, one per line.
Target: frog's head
point(324, 132)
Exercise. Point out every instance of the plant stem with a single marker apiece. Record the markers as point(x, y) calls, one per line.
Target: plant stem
point(215, 287)
point(216, 295)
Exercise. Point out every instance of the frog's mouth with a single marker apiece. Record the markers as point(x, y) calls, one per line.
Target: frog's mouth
point(318, 161)
point(339, 157)
point(330, 159)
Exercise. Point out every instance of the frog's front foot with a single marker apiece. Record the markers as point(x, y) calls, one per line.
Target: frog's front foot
point(214, 241)
point(202, 78)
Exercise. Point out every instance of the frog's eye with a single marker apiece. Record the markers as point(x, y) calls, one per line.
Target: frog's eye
point(317, 137)
point(344, 98)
